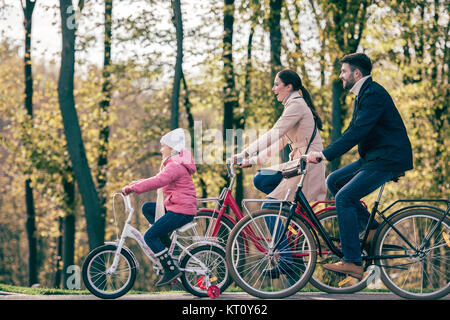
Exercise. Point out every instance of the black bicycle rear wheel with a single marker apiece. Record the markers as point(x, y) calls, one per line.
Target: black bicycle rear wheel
point(424, 272)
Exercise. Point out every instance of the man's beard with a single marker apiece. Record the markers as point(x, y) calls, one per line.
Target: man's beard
point(349, 83)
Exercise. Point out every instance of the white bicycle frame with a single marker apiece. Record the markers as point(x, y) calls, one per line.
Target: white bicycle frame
point(130, 232)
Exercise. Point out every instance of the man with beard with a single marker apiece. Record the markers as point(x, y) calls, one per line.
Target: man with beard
point(384, 149)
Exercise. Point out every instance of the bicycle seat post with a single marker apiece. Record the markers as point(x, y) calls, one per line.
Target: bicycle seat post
point(380, 192)
point(372, 214)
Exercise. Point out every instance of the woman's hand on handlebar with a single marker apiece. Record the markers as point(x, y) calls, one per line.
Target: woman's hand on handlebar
point(245, 164)
point(237, 158)
point(240, 160)
point(314, 157)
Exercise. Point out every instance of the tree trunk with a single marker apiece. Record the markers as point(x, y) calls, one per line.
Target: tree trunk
point(187, 106)
point(275, 59)
point(275, 37)
point(191, 124)
point(31, 233)
point(230, 98)
point(336, 117)
point(91, 203)
point(59, 249)
point(69, 228)
point(348, 21)
point(240, 122)
point(178, 22)
point(68, 245)
point(29, 200)
point(102, 159)
point(440, 114)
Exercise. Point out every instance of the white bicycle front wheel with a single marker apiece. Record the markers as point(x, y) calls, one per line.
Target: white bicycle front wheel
point(102, 283)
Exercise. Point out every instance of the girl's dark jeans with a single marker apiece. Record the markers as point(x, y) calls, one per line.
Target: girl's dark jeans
point(162, 228)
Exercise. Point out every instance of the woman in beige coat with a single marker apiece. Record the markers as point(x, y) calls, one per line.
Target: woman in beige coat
point(295, 127)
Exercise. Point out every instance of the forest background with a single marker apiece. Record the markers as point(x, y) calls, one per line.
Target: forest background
point(81, 118)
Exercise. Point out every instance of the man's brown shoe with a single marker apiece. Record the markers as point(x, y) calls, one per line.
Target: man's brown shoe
point(346, 268)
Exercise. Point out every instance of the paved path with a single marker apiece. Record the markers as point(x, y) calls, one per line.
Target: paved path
point(233, 296)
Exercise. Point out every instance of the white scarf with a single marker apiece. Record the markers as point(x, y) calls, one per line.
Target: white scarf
point(160, 210)
point(159, 204)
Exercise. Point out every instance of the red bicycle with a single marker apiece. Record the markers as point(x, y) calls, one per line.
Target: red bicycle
point(215, 225)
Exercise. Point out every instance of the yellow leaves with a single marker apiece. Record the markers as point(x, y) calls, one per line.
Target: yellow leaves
point(321, 37)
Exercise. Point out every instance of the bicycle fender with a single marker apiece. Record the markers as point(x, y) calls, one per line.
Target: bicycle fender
point(198, 244)
point(128, 251)
point(217, 212)
point(416, 206)
point(396, 213)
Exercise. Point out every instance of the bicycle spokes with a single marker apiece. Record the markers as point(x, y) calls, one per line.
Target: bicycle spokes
point(423, 270)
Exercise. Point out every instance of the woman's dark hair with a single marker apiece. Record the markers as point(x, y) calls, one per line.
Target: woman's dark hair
point(288, 77)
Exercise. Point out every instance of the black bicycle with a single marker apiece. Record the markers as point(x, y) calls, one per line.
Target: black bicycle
point(409, 253)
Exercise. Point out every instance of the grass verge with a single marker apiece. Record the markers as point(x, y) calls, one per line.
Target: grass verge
point(54, 291)
point(38, 291)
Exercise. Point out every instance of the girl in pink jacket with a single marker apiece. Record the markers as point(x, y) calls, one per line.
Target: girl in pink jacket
point(180, 201)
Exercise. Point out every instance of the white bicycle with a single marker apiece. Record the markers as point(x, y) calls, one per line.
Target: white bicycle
point(109, 271)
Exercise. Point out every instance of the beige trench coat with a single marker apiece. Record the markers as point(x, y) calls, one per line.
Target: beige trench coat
point(294, 127)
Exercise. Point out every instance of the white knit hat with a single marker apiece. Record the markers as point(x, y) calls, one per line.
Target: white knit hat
point(175, 139)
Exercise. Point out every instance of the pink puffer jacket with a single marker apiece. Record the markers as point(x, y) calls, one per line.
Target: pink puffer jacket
point(176, 182)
